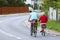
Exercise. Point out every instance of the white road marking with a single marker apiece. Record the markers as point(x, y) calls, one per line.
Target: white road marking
point(8, 34)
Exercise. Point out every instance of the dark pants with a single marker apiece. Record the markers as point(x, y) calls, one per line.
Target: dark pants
point(43, 25)
point(33, 26)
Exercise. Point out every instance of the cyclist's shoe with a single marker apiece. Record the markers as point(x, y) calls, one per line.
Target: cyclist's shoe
point(31, 34)
point(41, 31)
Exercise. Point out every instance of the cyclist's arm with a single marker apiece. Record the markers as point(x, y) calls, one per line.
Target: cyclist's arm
point(46, 18)
point(29, 18)
point(39, 18)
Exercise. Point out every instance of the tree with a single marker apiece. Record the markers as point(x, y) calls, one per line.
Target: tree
point(3, 3)
point(12, 3)
point(20, 3)
point(50, 3)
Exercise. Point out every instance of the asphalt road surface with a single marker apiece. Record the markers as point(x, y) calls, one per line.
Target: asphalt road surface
point(12, 27)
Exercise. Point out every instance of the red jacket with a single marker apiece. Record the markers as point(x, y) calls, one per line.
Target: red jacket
point(43, 19)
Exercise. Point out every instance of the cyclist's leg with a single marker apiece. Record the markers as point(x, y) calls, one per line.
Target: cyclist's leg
point(31, 28)
point(35, 29)
point(43, 27)
point(35, 25)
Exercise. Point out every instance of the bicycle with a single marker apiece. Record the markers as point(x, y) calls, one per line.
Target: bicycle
point(43, 27)
point(34, 27)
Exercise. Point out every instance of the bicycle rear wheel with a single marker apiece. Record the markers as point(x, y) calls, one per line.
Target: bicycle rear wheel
point(35, 31)
point(43, 33)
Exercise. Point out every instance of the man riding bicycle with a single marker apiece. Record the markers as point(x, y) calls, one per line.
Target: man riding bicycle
point(34, 17)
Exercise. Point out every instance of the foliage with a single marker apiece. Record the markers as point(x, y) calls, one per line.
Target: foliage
point(50, 3)
point(54, 25)
point(3, 3)
point(45, 6)
point(35, 6)
point(12, 3)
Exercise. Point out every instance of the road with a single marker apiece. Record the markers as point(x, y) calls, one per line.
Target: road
point(12, 27)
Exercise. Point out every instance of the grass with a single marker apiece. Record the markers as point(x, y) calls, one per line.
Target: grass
point(53, 25)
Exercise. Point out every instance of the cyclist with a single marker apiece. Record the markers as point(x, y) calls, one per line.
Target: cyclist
point(34, 17)
point(43, 20)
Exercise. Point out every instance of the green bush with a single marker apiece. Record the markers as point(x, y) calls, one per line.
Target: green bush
point(12, 3)
point(50, 3)
point(53, 25)
point(3, 3)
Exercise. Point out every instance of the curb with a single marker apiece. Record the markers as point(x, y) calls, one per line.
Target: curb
point(14, 14)
point(51, 32)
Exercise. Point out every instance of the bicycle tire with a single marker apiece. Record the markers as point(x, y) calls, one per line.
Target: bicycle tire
point(35, 31)
point(43, 33)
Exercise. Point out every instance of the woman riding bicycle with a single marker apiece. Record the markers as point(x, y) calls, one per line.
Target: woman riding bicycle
point(43, 20)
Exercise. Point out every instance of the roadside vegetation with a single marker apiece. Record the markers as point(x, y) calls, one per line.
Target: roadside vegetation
point(53, 25)
point(12, 3)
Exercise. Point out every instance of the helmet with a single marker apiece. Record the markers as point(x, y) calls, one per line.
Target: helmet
point(43, 13)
